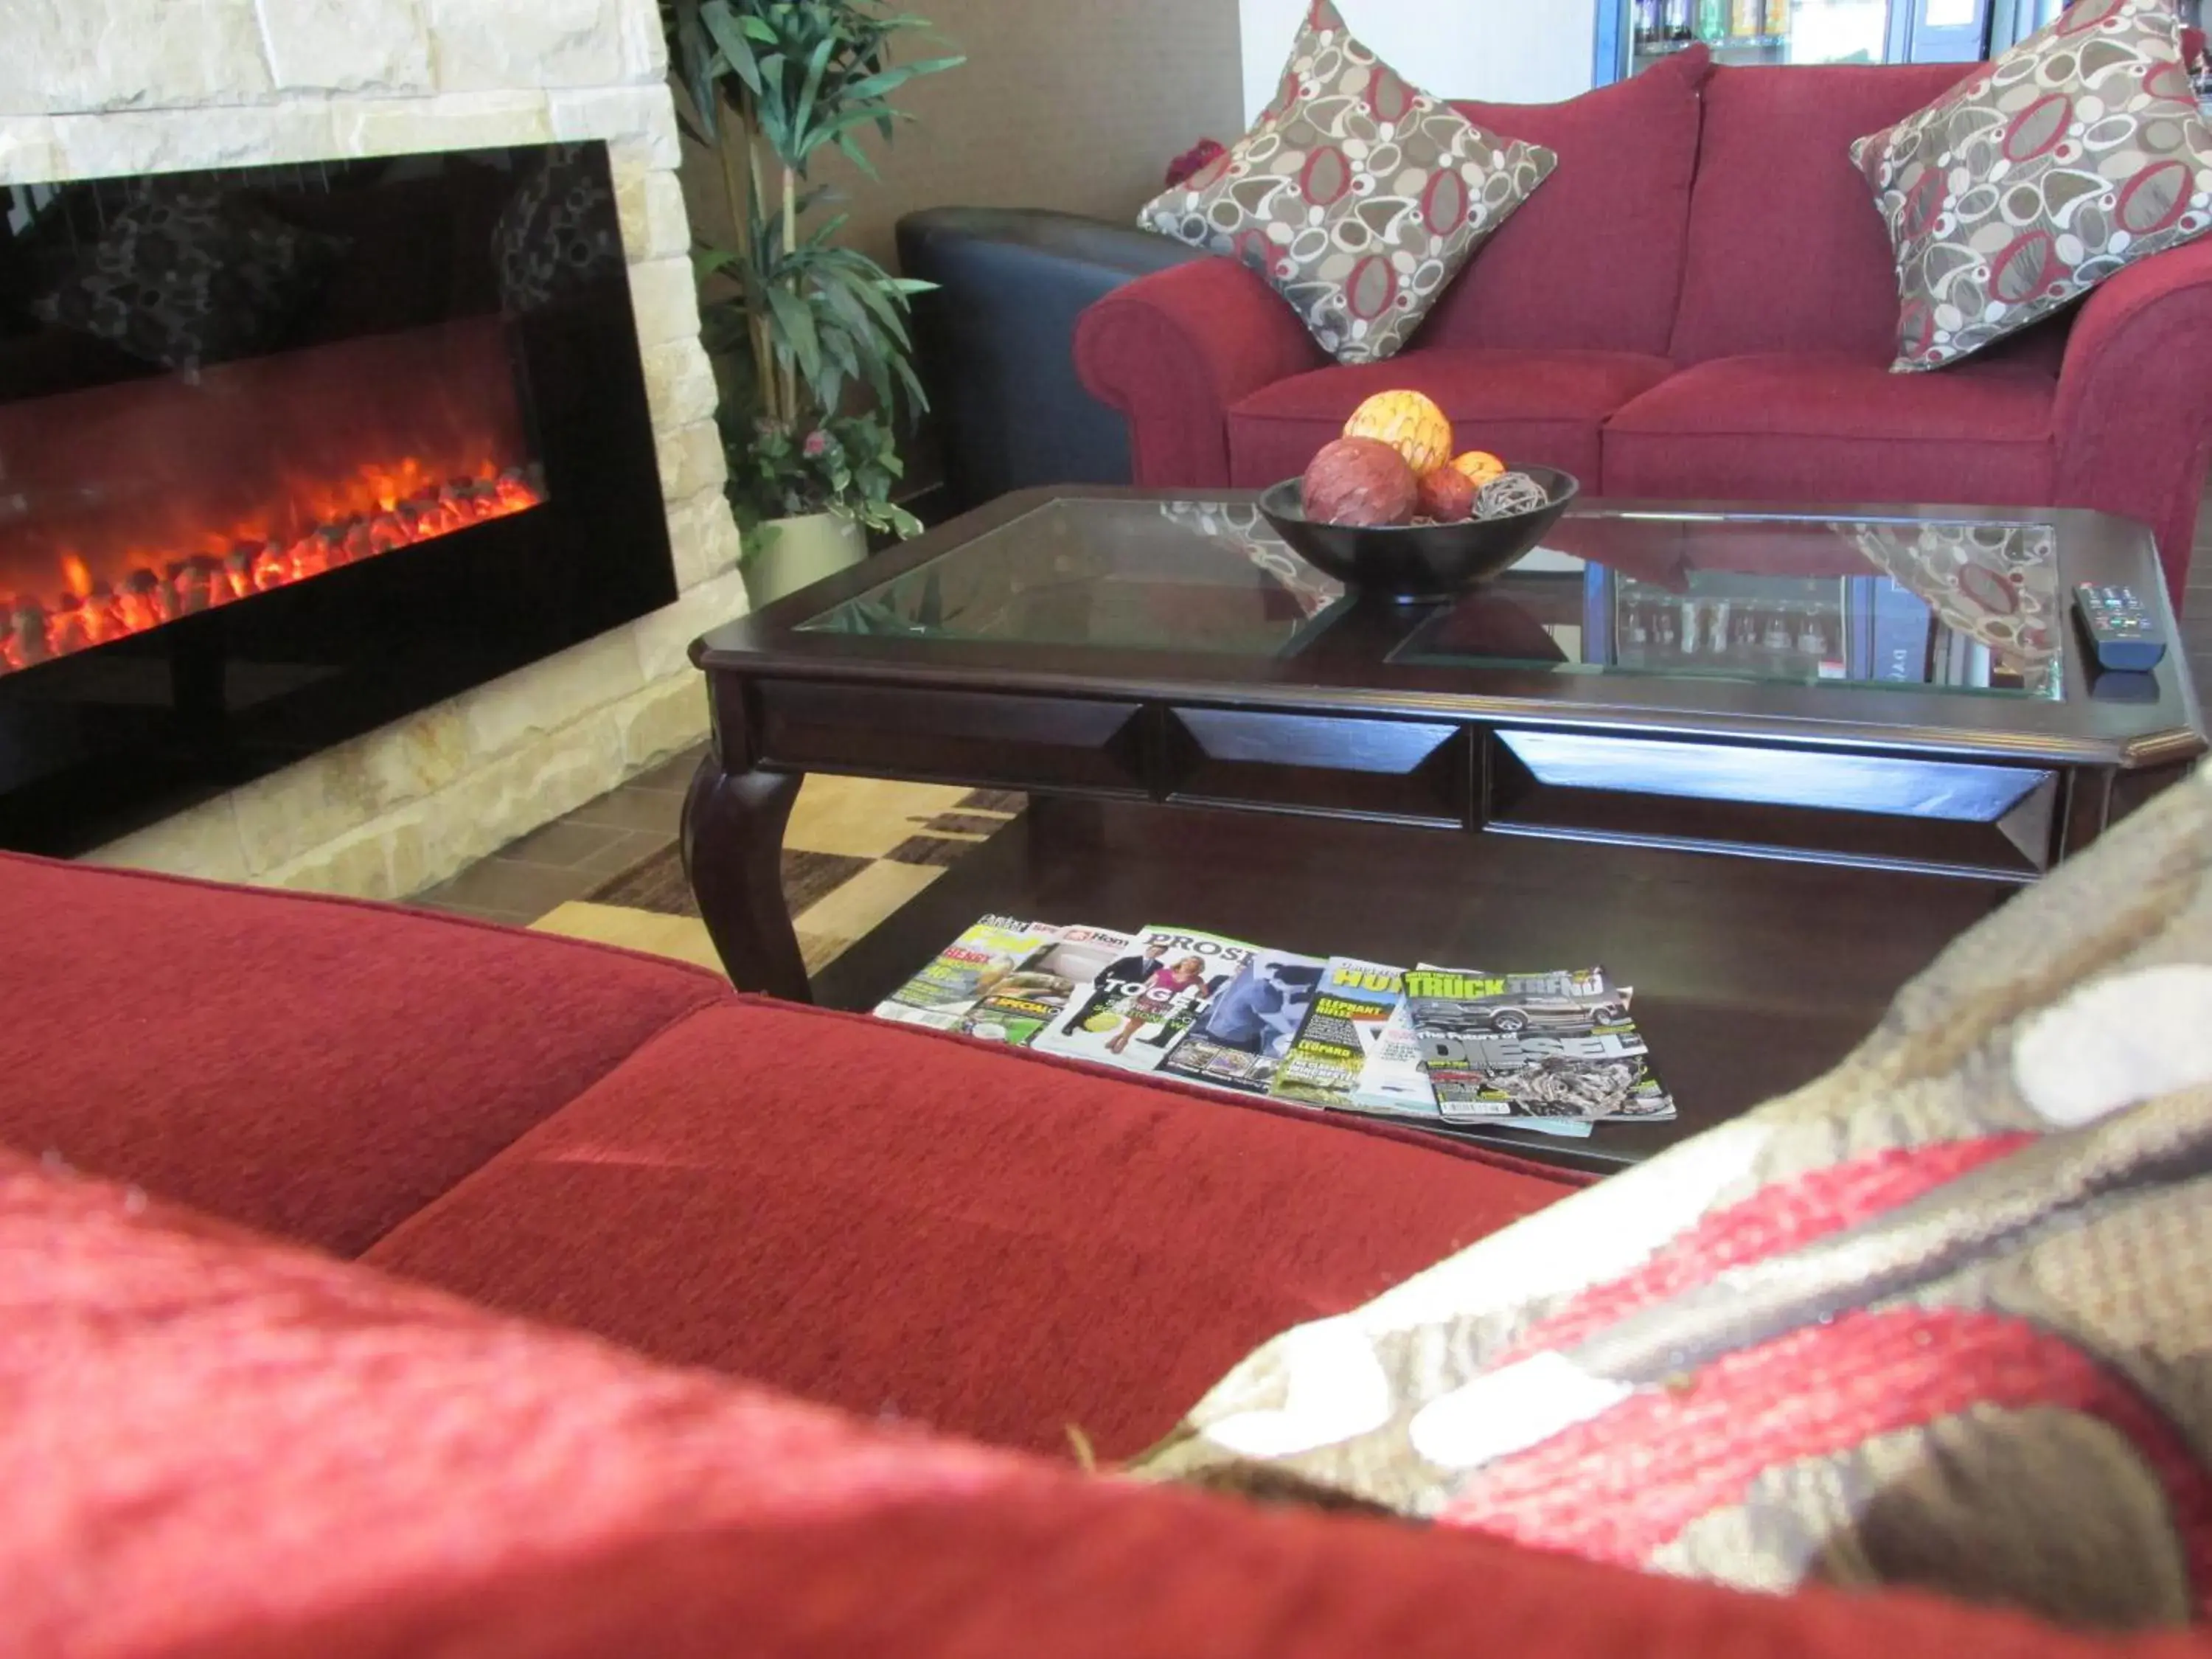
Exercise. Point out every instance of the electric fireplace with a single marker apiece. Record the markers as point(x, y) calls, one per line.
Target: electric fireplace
point(289, 452)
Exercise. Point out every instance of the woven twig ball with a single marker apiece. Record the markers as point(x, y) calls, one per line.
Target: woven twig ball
point(1509, 492)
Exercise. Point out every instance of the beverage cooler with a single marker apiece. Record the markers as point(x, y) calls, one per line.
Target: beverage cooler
point(1633, 33)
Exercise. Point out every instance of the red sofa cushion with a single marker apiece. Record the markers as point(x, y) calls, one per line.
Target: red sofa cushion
point(1825, 426)
point(1786, 251)
point(312, 1067)
point(1593, 259)
point(915, 1225)
point(218, 1450)
point(1530, 407)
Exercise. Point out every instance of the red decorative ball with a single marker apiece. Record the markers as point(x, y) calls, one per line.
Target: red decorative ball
point(1360, 481)
point(1447, 495)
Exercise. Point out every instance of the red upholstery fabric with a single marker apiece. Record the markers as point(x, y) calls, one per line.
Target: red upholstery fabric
point(217, 1450)
point(1786, 251)
point(1174, 350)
point(918, 1226)
point(2135, 401)
point(1535, 407)
point(1614, 212)
point(312, 1066)
point(1810, 427)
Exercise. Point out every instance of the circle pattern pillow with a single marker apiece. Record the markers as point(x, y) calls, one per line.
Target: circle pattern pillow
point(1355, 196)
point(2078, 152)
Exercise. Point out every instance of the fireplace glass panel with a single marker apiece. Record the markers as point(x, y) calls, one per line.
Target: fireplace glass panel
point(288, 453)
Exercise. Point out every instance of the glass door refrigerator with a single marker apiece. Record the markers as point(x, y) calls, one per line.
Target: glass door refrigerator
point(1634, 33)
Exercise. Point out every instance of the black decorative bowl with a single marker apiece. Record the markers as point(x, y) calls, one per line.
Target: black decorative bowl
point(1417, 563)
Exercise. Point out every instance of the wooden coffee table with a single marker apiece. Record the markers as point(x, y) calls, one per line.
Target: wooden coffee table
point(1761, 763)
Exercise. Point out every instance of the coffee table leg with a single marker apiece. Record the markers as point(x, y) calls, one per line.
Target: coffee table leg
point(734, 855)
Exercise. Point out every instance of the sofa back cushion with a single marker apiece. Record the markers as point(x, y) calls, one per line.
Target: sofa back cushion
point(1786, 251)
point(312, 1066)
point(1592, 260)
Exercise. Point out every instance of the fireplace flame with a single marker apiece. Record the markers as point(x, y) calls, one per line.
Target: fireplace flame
point(381, 507)
point(127, 505)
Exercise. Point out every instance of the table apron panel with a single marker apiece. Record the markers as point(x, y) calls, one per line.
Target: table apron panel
point(1884, 809)
point(1404, 771)
point(966, 737)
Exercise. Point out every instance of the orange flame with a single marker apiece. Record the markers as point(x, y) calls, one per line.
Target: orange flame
point(380, 509)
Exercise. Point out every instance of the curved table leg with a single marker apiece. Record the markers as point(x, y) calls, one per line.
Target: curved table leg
point(733, 855)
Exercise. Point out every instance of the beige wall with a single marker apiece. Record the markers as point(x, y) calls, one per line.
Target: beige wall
point(1071, 104)
point(1509, 52)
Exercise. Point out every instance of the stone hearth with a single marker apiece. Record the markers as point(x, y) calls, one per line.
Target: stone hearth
point(150, 86)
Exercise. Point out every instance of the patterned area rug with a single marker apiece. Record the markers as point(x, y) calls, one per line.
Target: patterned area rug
point(856, 849)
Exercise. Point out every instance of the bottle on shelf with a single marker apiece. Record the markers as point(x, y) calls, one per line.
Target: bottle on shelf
point(1778, 22)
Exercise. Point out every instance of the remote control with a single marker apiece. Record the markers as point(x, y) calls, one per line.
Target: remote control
point(2119, 626)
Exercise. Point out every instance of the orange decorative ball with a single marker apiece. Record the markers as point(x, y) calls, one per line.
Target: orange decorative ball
point(1409, 422)
point(1447, 495)
point(1478, 466)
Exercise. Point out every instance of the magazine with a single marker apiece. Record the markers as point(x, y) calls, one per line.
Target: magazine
point(1393, 1081)
point(1392, 1078)
point(1242, 1037)
point(1545, 1046)
point(1343, 1027)
point(1397, 1076)
point(970, 968)
point(1032, 996)
point(1139, 1005)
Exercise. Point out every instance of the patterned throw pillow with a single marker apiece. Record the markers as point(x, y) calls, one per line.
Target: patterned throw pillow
point(1356, 196)
point(2079, 152)
point(185, 276)
point(1943, 1317)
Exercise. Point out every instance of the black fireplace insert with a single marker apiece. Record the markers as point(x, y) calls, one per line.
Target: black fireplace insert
point(289, 452)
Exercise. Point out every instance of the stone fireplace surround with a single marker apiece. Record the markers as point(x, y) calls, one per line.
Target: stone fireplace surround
point(92, 88)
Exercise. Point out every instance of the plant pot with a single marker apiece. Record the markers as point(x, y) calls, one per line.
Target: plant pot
point(789, 554)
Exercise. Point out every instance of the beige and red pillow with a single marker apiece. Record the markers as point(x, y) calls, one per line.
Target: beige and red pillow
point(1943, 1317)
point(2074, 155)
point(1356, 195)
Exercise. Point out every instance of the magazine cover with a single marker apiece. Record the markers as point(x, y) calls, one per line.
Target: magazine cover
point(1541, 1046)
point(1394, 1081)
point(1392, 1078)
point(1035, 995)
point(1140, 1004)
point(1242, 1037)
point(969, 968)
point(1343, 1026)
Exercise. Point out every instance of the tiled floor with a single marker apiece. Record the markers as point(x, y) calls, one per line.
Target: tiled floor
point(856, 849)
point(574, 855)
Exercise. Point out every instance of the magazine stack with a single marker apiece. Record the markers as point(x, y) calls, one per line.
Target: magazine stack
point(1448, 1047)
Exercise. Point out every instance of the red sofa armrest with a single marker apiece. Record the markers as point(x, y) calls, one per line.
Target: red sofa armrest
point(1174, 350)
point(2133, 419)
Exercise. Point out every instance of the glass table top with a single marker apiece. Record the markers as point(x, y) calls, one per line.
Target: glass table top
point(1964, 607)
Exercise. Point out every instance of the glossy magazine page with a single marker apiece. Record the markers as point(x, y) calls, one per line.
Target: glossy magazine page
point(1140, 1004)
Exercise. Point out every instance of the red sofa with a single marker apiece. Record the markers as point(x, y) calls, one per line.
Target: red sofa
point(251, 1145)
point(1700, 302)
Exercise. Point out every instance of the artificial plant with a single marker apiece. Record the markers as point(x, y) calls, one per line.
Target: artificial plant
point(813, 335)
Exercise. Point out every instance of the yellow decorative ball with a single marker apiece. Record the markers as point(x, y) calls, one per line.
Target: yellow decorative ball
point(1409, 422)
point(1478, 466)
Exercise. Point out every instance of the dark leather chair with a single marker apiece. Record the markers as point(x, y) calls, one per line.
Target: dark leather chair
point(994, 342)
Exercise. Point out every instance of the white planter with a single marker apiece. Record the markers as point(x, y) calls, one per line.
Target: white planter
point(788, 554)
